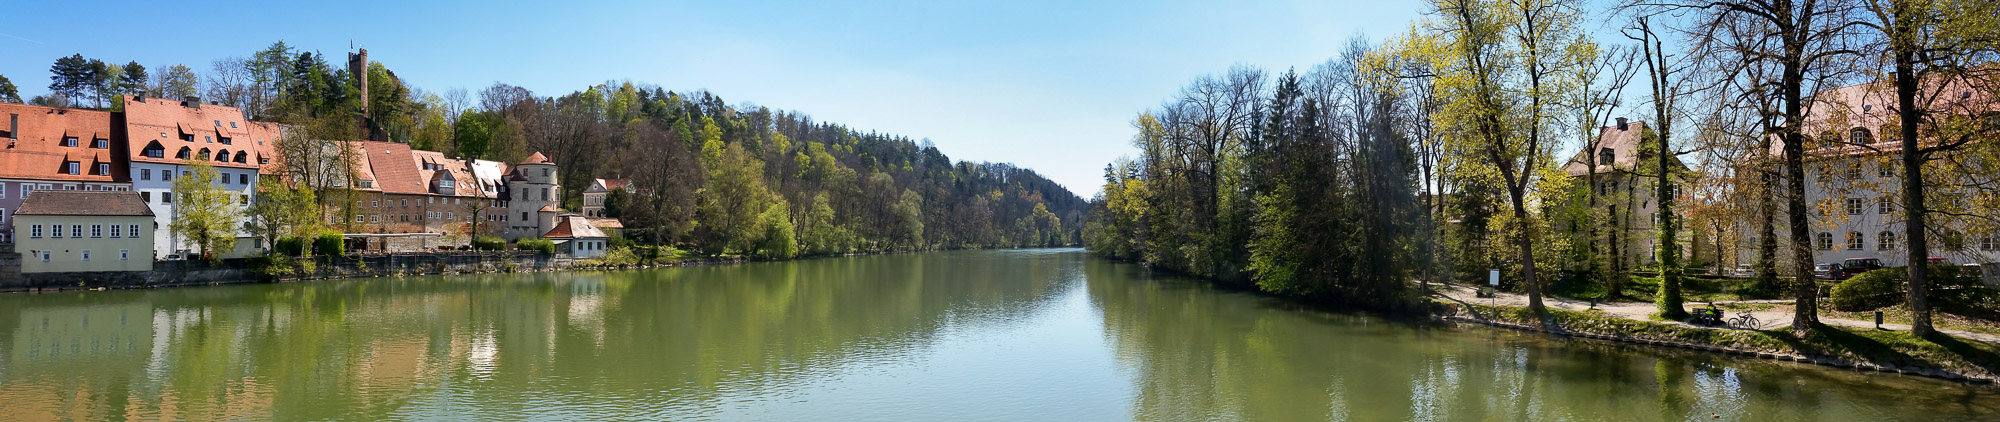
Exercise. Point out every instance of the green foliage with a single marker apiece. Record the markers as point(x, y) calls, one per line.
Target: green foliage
point(330, 243)
point(545, 246)
point(204, 213)
point(8, 92)
point(780, 238)
point(620, 256)
point(1870, 290)
point(489, 243)
point(289, 246)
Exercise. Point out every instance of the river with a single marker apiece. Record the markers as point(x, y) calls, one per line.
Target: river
point(967, 335)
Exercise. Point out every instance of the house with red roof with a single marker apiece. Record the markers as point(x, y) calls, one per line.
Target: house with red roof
point(576, 236)
point(162, 138)
point(49, 148)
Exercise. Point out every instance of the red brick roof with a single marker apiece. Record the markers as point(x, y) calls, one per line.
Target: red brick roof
point(84, 202)
point(538, 158)
point(166, 123)
point(37, 152)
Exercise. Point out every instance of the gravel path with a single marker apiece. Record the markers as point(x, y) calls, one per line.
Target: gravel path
point(1643, 311)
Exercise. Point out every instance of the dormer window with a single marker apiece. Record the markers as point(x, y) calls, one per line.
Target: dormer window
point(69, 141)
point(1858, 136)
point(154, 150)
point(1606, 156)
point(223, 140)
point(70, 167)
point(208, 139)
point(104, 169)
point(187, 137)
point(183, 154)
point(232, 124)
point(240, 156)
point(218, 123)
point(100, 143)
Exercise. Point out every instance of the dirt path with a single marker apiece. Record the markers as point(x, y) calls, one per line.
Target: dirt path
point(1643, 311)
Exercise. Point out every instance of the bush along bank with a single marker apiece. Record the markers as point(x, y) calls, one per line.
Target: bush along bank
point(1859, 349)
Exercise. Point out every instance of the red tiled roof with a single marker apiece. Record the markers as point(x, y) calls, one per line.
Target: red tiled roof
point(84, 202)
point(164, 122)
point(37, 152)
point(394, 166)
point(1624, 146)
point(573, 226)
point(546, 208)
point(538, 158)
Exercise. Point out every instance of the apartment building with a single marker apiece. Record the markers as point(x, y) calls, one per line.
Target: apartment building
point(163, 137)
point(1627, 197)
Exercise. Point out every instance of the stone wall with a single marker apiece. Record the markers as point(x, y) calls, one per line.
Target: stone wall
point(234, 271)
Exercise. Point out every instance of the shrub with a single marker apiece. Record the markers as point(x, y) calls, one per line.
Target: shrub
point(620, 256)
point(489, 243)
point(330, 243)
point(289, 246)
point(1885, 287)
point(540, 245)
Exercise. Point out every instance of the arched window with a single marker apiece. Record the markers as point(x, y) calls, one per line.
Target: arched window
point(240, 157)
point(153, 149)
point(1855, 241)
point(1829, 138)
point(1859, 136)
point(1885, 241)
point(222, 155)
point(1606, 156)
point(202, 155)
point(1824, 241)
point(183, 154)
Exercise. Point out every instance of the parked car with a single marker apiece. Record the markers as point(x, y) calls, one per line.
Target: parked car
point(1854, 266)
point(1826, 271)
point(1939, 261)
point(1743, 271)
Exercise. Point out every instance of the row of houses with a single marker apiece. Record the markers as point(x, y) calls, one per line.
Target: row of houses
point(121, 165)
point(1853, 184)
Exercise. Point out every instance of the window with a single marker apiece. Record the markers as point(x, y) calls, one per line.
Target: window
point(224, 140)
point(1989, 243)
point(225, 178)
point(114, 231)
point(69, 141)
point(71, 167)
point(1885, 205)
point(1885, 241)
point(547, 171)
point(134, 229)
point(86, 255)
point(146, 196)
point(242, 199)
point(1854, 172)
point(1824, 241)
point(242, 179)
point(45, 256)
point(208, 139)
point(1853, 206)
point(104, 169)
point(184, 153)
point(1858, 136)
point(1855, 242)
point(76, 231)
point(96, 231)
point(166, 175)
point(100, 143)
point(1606, 156)
point(1886, 170)
point(124, 254)
point(218, 123)
point(35, 232)
point(3, 191)
point(524, 216)
point(145, 174)
point(374, 219)
point(545, 194)
point(56, 231)
point(406, 202)
point(155, 151)
point(166, 197)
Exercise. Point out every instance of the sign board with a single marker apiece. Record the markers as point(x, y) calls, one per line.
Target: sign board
point(1493, 277)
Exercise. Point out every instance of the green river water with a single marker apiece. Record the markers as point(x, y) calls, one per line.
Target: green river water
point(1015, 335)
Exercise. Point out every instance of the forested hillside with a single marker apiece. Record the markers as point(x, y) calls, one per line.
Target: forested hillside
point(707, 176)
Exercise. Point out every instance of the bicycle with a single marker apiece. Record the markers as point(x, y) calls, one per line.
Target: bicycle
point(1745, 320)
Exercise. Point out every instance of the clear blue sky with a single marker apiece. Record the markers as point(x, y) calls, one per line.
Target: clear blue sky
point(1048, 85)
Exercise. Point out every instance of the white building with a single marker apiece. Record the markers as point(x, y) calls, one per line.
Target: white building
point(163, 136)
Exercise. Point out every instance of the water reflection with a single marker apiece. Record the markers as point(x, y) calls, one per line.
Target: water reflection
point(1012, 335)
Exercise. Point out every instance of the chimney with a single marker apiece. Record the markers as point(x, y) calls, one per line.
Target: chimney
point(1621, 124)
point(13, 126)
point(191, 102)
point(140, 98)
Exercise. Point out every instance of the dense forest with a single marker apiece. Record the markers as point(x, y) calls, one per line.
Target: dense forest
point(706, 176)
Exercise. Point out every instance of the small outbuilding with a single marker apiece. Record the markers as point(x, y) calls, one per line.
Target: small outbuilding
point(74, 231)
point(576, 236)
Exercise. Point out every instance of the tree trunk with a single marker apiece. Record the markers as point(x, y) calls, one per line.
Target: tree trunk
point(1669, 300)
point(1805, 289)
point(1913, 174)
point(1527, 244)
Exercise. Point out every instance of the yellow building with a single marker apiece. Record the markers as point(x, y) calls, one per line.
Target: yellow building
point(71, 231)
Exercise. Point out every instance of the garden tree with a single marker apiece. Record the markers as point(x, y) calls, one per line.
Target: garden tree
point(1930, 50)
point(270, 74)
point(9, 93)
point(1668, 79)
point(177, 82)
point(204, 213)
point(228, 82)
point(71, 77)
point(103, 81)
point(284, 211)
point(1410, 52)
point(1506, 65)
point(780, 238)
point(1791, 45)
point(821, 235)
point(132, 79)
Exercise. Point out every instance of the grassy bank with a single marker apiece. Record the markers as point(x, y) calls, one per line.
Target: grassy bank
point(1853, 347)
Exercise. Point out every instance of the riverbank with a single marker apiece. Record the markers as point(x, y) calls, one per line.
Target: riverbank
point(1959, 356)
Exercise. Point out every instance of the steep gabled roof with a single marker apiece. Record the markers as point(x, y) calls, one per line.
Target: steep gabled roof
point(84, 202)
point(537, 158)
point(1624, 146)
point(149, 120)
point(394, 166)
point(37, 151)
